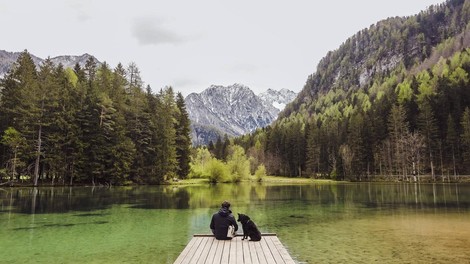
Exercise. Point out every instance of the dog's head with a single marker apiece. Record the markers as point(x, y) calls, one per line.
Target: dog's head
point(242, 218)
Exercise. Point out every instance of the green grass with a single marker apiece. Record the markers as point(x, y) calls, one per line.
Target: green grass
point(266, 179)
point(280, 179)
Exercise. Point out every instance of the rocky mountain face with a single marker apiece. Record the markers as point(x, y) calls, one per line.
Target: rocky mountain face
point(233, 110)
point(7, 59)
point(278, 99)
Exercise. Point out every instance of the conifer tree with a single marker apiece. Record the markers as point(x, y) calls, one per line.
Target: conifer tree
point(465, 138)
point(427, 127)
point(166, 148)
point(451, 141)
point(397, 127)
point(183, 138)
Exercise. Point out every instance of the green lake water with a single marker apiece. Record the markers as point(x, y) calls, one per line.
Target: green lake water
point(318, 223)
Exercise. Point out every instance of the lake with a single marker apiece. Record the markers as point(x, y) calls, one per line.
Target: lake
point(318, 223)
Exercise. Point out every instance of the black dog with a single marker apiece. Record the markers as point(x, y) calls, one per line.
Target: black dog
point(249, 228)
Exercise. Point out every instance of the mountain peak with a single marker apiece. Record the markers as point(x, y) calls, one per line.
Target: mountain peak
point(278, 98)
point(233, 110)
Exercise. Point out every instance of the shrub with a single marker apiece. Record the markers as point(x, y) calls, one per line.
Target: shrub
point(260, 173)
point(238, 164)
point(217, 171)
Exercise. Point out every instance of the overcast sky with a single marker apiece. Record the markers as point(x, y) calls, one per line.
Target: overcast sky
point(192, 44)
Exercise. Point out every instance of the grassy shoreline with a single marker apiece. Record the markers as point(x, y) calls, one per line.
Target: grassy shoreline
point(266, 179)
point(296, 180)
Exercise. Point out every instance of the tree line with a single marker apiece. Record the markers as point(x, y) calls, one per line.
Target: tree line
point(393, 101)
point(89, 125)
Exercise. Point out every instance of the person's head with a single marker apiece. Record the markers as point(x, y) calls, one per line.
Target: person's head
point(226, 204)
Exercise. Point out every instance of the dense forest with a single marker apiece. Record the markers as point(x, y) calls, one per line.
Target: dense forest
point(392, 101)
point(92, 125)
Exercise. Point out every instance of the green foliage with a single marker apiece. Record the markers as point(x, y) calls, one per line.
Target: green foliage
point(12, 138)
point(404, 92)
point(93, 125)
point(71, 77)
point(238, 164)
point(199, 163)
point(14, 141)
point(217, 171)
point(260, 173)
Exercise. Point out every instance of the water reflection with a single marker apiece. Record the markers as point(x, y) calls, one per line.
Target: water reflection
point(370, 195)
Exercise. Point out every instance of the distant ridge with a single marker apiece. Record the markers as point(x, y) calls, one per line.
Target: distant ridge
point(7, 59)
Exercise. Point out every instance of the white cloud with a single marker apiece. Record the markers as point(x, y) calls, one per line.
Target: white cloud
point(81, 9)
point(149, 31)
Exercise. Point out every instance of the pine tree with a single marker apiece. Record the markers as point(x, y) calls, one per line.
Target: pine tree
point(166, 148)
point(24, 104)
point(398, 127)
point(427, 127)
point(465, 138)
point(183, 138)
point(451, 143)
point(312, 163)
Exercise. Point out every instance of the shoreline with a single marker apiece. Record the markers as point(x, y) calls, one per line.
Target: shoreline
point(267, 179)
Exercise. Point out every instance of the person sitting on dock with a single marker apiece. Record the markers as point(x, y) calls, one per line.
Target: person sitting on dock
point(221, 221)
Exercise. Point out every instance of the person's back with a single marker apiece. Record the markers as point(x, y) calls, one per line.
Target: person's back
point(221, 221)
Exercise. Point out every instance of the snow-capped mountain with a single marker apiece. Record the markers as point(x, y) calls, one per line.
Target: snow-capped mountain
point(7, 59)
point(233, 110)
point(278, 99)
point(69, 61)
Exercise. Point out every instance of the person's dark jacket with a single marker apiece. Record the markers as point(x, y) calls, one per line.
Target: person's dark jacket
point(220, 222)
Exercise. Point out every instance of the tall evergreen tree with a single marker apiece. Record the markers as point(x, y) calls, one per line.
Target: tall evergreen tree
point(183, 137)
point(465, 138)
point(398, 127)
point(166, 148)
point(427, 127)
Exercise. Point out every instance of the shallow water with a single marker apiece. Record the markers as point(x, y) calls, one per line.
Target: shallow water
point(318, 223)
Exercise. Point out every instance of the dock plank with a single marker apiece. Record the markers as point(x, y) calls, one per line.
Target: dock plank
point(239, 251)
point(246, 253)
point(260, 253)
point(218, 252)
point(253, 253)
point(233, 252)
point(185, 251)
point(212, 251)
point(283, 251)
point(274, 252)
point(205, 249)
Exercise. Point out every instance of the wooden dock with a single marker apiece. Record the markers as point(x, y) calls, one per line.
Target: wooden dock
point(208, 250)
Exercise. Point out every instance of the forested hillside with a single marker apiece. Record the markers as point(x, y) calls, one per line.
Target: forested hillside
point(393, 100)
point(92, 125)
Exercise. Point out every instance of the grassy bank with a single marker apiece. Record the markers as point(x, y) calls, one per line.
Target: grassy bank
point(266, 179)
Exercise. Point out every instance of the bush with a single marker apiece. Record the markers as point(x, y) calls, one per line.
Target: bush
point(238, 163)
point(260, 173)
point(217, 171)
point(199, 163)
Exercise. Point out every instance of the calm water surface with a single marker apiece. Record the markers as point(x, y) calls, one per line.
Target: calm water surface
point(318, 223)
